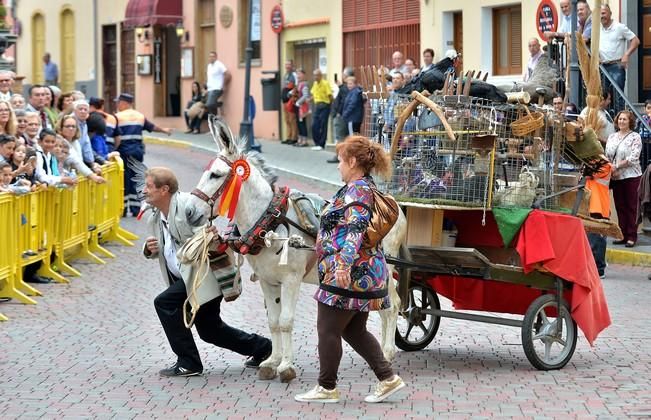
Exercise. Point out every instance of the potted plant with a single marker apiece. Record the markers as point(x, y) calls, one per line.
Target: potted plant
point(3, 17)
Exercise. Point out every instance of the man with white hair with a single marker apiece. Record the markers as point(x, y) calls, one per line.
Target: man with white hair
point(565, 24)
point(6, 82)
point(397, 63)
point(81, 112)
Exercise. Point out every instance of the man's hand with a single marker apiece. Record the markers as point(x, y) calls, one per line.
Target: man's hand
point(625, 61)
point(151, 244)
point(167, 131)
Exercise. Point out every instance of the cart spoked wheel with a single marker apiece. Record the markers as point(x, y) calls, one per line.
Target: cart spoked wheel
point(548, 342)
point(416, 329)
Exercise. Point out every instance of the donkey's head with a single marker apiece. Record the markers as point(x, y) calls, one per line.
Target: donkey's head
point(221, 171)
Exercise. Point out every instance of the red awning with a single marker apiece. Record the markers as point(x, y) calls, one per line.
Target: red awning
point(153, 12)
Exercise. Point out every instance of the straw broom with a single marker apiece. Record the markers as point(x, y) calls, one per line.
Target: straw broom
point(590, 69)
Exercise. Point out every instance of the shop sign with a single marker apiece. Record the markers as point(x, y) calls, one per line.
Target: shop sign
point(546, 17)
point(277, 19)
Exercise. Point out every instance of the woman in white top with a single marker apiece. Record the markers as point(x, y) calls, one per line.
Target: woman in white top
point(623, 150)
point(68, 129)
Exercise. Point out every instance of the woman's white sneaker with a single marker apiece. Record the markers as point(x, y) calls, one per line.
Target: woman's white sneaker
point(384, 389)
point(319, 395)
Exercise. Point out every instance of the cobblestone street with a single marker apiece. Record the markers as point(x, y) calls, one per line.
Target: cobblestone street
point(93, 348)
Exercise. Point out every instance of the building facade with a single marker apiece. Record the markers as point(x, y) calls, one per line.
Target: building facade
point(493, 35)
point(171, 51)
point(153, 49)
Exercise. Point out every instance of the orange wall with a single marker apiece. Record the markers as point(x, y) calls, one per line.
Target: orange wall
point(266, 122)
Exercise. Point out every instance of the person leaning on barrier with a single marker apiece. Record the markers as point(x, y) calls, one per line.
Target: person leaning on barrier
point(6, 176)
point(69, 131)
point(47, 165)
point(171, 225)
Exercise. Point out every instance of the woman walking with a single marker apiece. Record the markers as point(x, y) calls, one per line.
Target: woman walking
point(353, 279)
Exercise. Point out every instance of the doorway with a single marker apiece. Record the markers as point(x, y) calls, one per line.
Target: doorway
point(109, 66)
point(306, 56)
point(645, 50)
point(206, 39)
point(172, 73)
point(67, 81)
point(457, 35)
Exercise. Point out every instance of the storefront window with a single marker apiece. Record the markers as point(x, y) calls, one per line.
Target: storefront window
point(256, 30)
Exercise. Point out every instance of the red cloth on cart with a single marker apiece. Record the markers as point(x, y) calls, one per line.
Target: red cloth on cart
point(558, 243)
point(555, 241)
point(472, 294)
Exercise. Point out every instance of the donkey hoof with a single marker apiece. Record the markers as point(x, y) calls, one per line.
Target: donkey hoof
point(266, 373)
point(287, 375)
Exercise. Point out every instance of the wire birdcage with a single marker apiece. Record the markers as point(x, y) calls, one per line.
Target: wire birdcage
point(485, 165)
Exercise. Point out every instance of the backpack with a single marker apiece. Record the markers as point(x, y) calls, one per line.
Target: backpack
point(384, 214)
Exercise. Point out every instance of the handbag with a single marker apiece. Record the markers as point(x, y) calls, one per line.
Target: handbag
point(196, 110)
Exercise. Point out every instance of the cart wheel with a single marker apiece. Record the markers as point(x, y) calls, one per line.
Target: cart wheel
point(545, 347)
point(415, 329)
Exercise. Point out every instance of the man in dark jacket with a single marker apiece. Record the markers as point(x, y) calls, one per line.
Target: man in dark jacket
point(340, 128)
point(353, 112)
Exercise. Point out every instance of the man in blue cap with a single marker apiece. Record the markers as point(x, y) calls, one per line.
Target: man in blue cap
point(130, 125)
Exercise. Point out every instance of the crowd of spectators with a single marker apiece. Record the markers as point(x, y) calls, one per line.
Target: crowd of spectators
point(45, 138)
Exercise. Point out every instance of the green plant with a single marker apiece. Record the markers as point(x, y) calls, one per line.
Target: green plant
point(3, 16)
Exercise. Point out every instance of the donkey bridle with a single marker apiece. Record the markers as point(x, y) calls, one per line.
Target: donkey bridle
point(279, 215)
point(212, 200)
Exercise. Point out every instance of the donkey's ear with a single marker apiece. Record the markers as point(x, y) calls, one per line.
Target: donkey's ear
point(222, 135)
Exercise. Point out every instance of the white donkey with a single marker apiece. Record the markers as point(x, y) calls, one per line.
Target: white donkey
point(280, 283)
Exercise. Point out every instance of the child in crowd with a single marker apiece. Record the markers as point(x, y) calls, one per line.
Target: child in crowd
point(6, 175)
point(18, 163)
point(47, 165)
point(69, 164)
point(7, 146)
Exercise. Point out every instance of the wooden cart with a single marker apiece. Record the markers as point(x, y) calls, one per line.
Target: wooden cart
point(548, 330)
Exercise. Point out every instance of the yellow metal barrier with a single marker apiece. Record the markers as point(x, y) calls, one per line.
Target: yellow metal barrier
point(10, 285)
point(59, 224)
point(108, 204)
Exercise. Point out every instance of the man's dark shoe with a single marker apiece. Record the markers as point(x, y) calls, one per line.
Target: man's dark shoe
point(254, 362)
point(333, 160)
point(177, 370)
point(288, 141)
point(38, 279)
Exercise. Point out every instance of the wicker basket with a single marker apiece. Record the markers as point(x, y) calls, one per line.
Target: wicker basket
point(527, 124)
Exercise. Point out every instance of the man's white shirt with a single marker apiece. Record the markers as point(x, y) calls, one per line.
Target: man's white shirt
point(215, 73)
